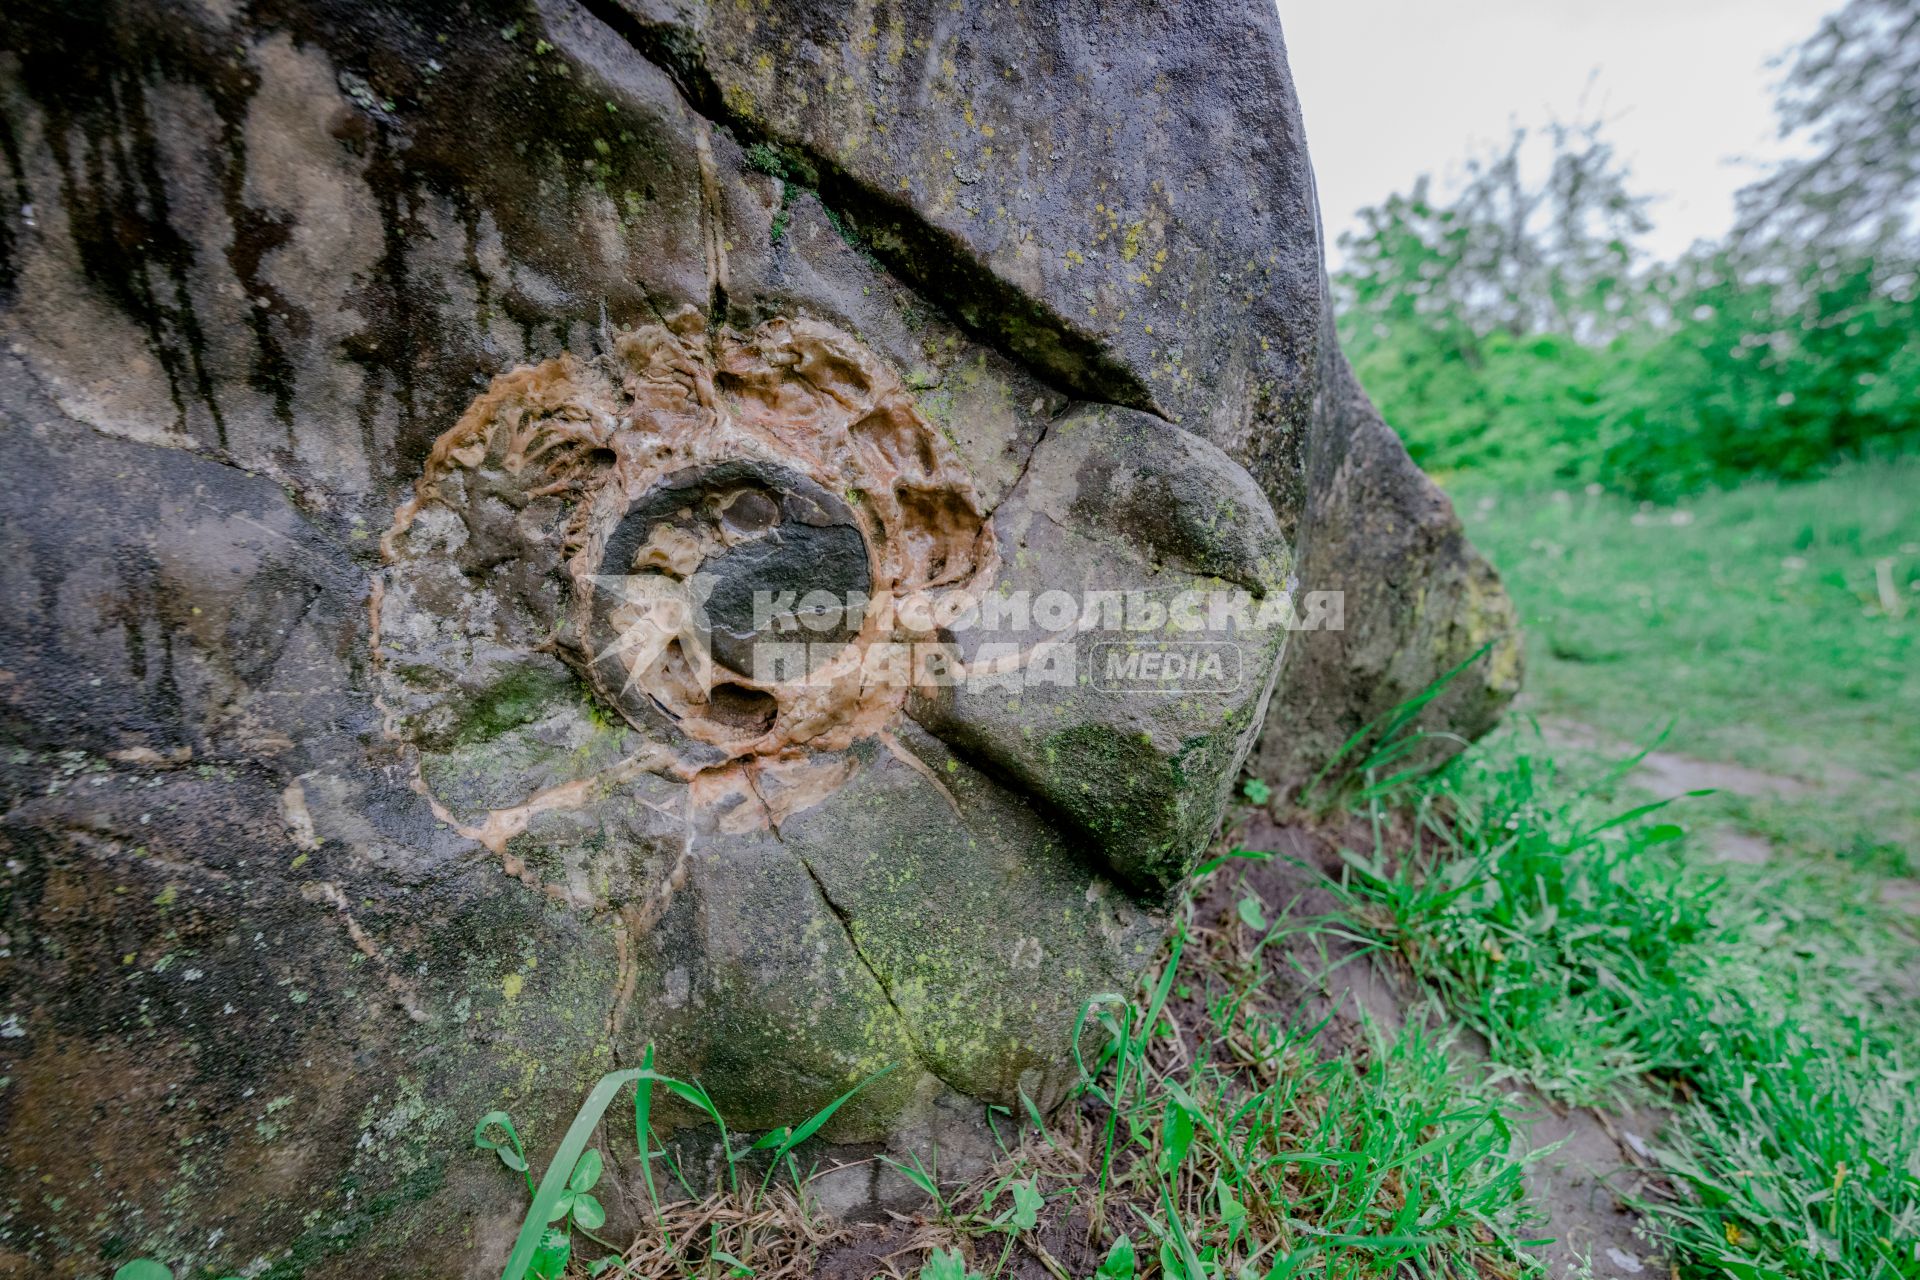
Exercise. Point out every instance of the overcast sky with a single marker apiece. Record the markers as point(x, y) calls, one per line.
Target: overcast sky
point(1394, 88)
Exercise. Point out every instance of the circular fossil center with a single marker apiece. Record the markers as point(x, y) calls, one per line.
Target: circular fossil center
point(711, 566)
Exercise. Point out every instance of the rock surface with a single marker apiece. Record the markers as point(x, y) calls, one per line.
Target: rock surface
point(402, 407)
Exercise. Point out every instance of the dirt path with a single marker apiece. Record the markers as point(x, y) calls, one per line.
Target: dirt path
point(1598, 1158)
point(1670, 775)
point(1667, 773)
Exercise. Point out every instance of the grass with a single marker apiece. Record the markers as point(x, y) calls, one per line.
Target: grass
point(747, 1216)
point(1557, 933)
point(1606, 956)
point(1210, 1138)
point(1238, 1146)
point(1774, 625)
point(1243, 1147)
point(1772, 1010)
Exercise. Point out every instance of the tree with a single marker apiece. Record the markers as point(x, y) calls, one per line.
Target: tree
point(1513, 331)
point(1506, 254)
point(1475, 321)
point(1851, 92)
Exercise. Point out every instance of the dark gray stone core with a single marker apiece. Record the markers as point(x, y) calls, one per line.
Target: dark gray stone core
point(789, 565)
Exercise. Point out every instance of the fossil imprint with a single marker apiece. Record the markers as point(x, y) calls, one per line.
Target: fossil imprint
point(634, 515)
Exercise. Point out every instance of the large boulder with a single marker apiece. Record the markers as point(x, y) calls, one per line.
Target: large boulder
point(531, 531)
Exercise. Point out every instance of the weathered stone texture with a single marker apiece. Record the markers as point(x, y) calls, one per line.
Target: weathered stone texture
point(326, 825)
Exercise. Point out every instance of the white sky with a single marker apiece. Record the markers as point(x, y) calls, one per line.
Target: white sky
point(1395, 88)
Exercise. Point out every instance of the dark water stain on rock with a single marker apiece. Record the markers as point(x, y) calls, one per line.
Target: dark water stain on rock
point(21, 210)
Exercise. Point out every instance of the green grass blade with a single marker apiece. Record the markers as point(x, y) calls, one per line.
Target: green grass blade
point(643, 1128)
point(1396, 720)
point(810, 1127)
point(691, 1093)
point(484, 1143)
point(554, 1184)
point(917, 1176)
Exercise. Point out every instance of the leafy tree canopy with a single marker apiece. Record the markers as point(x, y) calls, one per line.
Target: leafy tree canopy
point(1514, 328)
